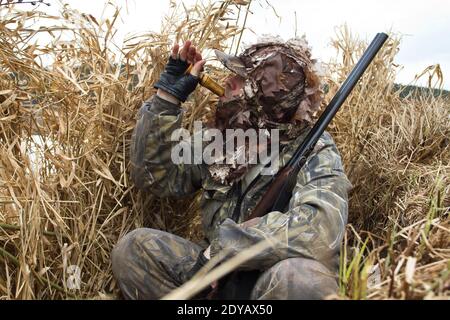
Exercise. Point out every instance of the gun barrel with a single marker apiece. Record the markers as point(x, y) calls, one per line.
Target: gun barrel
point(340, 96)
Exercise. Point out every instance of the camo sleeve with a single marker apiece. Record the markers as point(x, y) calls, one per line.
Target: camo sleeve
point(152, 167)
point(313, 227)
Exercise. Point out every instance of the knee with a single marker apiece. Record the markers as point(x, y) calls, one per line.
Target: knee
point(126, 247)
point(125, 256)
point(296, 268)
point(296, 278)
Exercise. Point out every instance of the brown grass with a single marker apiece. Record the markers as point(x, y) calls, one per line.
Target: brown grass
point(72, 201)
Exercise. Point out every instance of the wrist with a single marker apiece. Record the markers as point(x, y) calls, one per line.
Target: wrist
point(167, 96)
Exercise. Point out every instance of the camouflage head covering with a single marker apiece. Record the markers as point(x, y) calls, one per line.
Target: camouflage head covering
point(280, 77)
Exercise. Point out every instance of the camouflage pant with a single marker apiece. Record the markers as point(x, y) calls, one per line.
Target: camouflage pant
point(148, 264)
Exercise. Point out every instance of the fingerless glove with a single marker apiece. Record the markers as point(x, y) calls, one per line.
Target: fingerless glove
point(174, 80)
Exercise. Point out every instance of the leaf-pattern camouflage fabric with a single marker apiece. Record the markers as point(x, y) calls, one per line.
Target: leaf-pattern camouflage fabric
point(311, 227)
point(149, 264)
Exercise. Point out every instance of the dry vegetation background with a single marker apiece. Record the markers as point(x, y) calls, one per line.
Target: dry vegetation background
point(65, 193)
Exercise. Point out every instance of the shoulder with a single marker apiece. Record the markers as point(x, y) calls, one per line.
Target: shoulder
point(325, 141)
point(324, 144)
point(324, 161)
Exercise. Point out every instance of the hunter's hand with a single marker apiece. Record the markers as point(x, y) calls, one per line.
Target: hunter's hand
point(174, 84)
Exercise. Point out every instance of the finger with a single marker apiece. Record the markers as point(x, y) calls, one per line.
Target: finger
point(175, 49)
point(198, 67)
point(185, 50)
point(198, 57)
point(191, 54)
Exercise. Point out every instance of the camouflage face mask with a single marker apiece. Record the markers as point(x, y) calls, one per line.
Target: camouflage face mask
point(280, 90)
point(279, 77)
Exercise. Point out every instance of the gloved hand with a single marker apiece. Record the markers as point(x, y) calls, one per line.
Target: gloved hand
point(174, 80)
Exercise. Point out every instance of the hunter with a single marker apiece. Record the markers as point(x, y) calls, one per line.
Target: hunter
point(273, 84)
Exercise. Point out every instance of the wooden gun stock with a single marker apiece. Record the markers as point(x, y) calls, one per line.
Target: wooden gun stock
point(269, 198)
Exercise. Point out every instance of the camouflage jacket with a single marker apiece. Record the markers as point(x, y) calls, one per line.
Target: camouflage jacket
point(312, 225)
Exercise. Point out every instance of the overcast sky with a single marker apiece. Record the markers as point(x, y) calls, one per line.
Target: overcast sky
point(424, 25)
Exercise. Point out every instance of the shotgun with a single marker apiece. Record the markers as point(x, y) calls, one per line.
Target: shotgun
point(279, 192)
